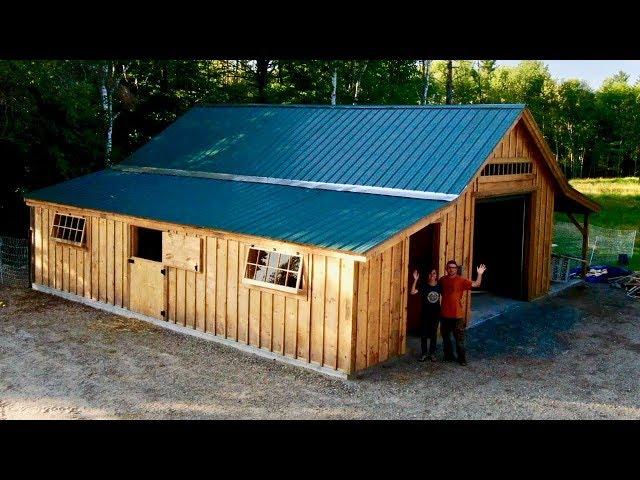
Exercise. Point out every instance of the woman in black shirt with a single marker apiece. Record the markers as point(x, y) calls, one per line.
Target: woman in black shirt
point(431, 293)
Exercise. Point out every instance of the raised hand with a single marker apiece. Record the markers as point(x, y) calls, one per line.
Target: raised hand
point(416, 275)
point(481, 268)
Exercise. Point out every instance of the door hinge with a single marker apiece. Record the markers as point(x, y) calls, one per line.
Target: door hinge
point(131, 260)
point(162, 312)
point(163, 271)
point(196, 267)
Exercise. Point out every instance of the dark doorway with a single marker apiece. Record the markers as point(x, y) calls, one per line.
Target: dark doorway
point(423, 256)
point(146, 243)
point(500, 239)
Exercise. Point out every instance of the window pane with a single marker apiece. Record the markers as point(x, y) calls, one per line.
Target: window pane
point(271, 275)
point(281, 277)
point(251, 271)
point(284, 262)
point(273, 259)
point(253, 256)
point(292, 278)
point(262, 257)
point(74, 222)
point(294, 263)
point(261, 274)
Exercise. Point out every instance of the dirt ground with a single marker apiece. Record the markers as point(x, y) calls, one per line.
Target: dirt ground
point(574, 356)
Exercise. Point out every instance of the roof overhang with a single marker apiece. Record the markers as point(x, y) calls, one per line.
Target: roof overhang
point(569, 199)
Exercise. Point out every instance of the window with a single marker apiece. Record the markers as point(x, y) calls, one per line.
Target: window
point(146, 243)
point(273, 270)
point(510, 168)
point(69, 229)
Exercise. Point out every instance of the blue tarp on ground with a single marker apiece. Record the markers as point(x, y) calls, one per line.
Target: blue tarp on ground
point(601, 273)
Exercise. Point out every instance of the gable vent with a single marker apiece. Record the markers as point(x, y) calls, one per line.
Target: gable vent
point(509, 168)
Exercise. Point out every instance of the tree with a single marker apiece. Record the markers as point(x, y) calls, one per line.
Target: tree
point(425, 76)
point(111, 73)
point(449, 82)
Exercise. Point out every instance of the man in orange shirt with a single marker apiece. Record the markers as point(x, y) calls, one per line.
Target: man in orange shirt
point(453, 287)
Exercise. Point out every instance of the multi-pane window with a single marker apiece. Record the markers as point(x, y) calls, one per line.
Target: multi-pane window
point(273, 269)
point(69, 229)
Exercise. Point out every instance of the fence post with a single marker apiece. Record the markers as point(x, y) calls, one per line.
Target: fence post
point(585, 244)
point(1, 264)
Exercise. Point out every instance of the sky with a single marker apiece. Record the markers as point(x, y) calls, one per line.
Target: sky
point(591, 71)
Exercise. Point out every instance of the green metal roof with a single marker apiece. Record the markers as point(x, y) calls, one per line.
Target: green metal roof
point(402, 148)
point(352, 222)
point(436, 148)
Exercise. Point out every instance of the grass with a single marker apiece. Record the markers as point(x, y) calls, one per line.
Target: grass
point(619, 199)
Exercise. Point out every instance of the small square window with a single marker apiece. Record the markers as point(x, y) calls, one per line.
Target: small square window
point(69, 229)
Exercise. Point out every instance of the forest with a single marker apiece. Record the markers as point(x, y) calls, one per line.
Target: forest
point(64, 118)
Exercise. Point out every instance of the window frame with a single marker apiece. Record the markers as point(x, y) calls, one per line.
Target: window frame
point(56, 227)
point(301, 283)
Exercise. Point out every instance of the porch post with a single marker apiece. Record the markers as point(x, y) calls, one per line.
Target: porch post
point(585, 243)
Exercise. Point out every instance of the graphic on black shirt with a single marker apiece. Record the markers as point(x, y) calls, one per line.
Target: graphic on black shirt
point(431, 297)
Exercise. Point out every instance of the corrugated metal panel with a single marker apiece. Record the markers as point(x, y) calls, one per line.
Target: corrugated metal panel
point(353, 222)
point(429, 148)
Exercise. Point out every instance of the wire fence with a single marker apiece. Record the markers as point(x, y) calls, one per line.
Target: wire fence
point(605, 244)
point(14, 261)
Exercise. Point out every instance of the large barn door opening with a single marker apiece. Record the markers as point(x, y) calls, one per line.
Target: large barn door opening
point(423, 256)
point(500, 241)
point(147, 280)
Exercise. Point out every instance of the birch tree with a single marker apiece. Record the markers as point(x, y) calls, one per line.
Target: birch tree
point(425, 76)
point(358, 82)
point(334, 82)
point(110, 81)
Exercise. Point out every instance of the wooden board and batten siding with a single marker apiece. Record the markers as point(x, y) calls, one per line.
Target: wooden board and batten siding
point(516, 146)
point(352, 311)
point(315, 326)
point(377, 337)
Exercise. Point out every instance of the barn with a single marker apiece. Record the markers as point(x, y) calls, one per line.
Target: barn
point(291, 231)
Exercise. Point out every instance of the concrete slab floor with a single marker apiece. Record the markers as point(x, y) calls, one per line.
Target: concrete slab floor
point(486, 305)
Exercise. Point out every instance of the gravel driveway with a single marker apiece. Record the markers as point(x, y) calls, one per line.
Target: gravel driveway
point(573, 356)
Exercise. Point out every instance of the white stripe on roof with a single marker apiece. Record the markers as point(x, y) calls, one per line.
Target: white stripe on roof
point(338, 187)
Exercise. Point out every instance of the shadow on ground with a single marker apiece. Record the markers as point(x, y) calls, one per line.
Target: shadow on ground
point(533, 330)
point(574, 356)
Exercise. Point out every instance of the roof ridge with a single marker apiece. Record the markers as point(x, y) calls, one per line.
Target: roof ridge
point(337, 187)
point(364, 107)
